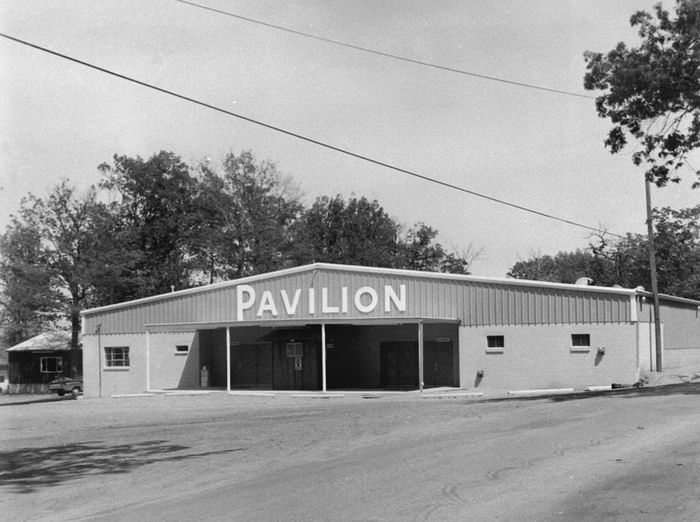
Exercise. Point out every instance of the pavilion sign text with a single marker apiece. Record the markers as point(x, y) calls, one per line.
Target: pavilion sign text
point(365, 300)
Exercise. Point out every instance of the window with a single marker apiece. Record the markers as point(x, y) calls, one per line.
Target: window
point(51, 364)
point(580, 342)
point(295, 350)
point(117, 356)
point(182, 348)
point(495, 343)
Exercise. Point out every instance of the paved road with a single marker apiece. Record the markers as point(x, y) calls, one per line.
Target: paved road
point(623, 456)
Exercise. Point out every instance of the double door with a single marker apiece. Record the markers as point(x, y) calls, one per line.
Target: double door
point(278, 365)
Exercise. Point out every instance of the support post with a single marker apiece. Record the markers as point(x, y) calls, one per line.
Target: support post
point(98, 331)
point(323, 357)
point(148, 360)
point(654, 282)
point(420, 356)
point(228, 359)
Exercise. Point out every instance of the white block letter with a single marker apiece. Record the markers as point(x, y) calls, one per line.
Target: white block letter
point(291, 308)
point(325, 307)
point(312, 301)
point(391, 297)
point(244, 304)
point(267, 304)
point(373, 299)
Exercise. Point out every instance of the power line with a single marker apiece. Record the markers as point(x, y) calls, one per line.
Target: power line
point(385, 54)
point(305, 138)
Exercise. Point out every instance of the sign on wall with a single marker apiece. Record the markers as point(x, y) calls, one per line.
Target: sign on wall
point(364, 300)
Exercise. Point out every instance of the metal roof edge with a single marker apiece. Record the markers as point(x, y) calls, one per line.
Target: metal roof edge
point(356, 268)
point(672, 298)
point(473, 278)
point(198, 289)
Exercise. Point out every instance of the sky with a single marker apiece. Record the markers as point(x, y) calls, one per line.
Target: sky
point(532, 148)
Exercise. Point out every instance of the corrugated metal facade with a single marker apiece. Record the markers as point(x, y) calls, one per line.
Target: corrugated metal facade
point(356, 293)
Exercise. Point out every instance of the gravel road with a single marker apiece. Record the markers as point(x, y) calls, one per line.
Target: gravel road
point(624, 455)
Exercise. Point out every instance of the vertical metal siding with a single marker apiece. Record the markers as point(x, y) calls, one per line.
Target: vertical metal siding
point(471, 302)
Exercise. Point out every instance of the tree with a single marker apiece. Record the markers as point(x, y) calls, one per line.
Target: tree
point(53, 250)
point(624, 261)
point(419, 251)
point(28, 297)
point(564, 267)
point(652, 92)
point(155, 210)
point(356, 232)
point(243, 218)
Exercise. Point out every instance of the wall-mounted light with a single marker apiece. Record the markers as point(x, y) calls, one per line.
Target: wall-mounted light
point(480, 373)
point(601, 350)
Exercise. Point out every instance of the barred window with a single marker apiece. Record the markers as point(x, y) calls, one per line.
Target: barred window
point(117, 356)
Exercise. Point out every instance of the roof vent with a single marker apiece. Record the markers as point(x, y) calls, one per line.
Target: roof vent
point(584, 281)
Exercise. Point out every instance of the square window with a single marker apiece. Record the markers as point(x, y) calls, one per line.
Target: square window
point(51, 364)
point(117, 356)
point(182, 348)
point(495, 343)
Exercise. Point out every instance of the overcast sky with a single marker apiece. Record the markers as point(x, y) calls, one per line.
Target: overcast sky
point(532, 148)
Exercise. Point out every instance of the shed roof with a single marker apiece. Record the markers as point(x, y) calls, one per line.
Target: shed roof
point(54, 340)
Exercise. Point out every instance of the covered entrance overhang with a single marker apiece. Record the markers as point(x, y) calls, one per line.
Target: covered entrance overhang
point(411, 353)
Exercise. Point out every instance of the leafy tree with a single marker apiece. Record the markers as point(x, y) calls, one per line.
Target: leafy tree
point(419, 251)
point(243, 218)
point(155, 210)
point(564, 267)
point(53, 250)
point(357, 232)
point(652, 92)
point(28, 297)
point(624, 261)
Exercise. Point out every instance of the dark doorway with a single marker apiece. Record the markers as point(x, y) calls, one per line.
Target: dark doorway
point(251, 365)
point(438, 364)
point(399, 364)
point(296, 365)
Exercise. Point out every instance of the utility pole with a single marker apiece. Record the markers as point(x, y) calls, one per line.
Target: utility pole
point(654, 282)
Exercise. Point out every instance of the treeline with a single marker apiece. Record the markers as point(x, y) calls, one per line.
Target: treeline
point(153, 225)
point(625, 261)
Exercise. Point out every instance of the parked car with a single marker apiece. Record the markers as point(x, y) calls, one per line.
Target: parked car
point(63, 385)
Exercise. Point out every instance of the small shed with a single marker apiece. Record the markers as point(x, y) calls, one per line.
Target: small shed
point(37, 361)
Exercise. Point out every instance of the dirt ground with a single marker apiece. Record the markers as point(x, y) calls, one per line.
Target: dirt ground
point(622, 455)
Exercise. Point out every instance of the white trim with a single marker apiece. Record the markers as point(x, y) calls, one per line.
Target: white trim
point(323, 356)
point(277, 323)
point(421, 376)
point(228, 359)
point(148, 360)
point(362, 269)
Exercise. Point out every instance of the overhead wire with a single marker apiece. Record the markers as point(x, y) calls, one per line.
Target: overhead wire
point(386, 54)
point(306, 138)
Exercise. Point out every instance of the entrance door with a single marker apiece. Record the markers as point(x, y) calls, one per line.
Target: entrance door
point(399, 364)
point(438, 367)
point(251, 365)
point(296, 365)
